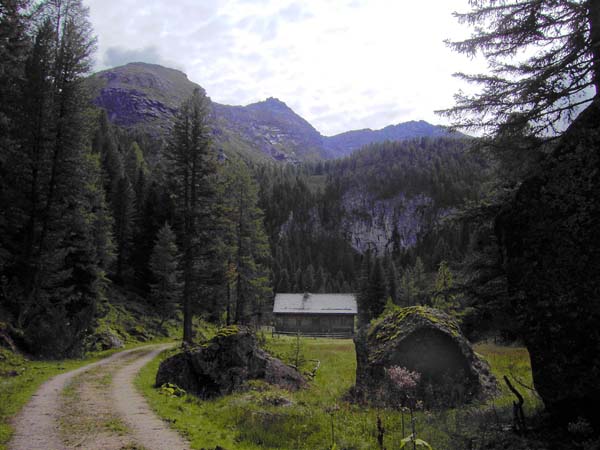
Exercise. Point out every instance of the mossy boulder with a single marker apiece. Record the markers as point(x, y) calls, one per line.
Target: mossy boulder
point(427, 341)
point(103, 340)
point(225, 364)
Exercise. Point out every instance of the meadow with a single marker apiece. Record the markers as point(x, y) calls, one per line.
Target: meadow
point(320, 417)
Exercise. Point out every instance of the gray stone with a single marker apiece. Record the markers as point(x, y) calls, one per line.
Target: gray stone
point(104, 340)
point(427, 341)
point(225, 364)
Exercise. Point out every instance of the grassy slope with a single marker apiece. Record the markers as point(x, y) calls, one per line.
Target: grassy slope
point(250, 420)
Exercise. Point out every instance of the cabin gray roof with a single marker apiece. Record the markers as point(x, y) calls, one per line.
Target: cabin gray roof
point(315, 304)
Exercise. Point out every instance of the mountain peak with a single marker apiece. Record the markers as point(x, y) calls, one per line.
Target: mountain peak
point(271, 103)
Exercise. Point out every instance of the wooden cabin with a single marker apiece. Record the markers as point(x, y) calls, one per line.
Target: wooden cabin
point(315, 314)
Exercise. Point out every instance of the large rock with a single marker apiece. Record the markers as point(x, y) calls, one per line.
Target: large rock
point(225, 364)
point(427, 341)
point(103, 340)
point(550, 239)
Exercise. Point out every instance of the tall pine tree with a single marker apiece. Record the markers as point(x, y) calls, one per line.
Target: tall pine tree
point(165, 290)
point(56, 276)
point(248, 244)
point(192, 169)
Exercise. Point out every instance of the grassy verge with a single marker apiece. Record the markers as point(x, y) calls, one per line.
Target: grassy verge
point(270, 418)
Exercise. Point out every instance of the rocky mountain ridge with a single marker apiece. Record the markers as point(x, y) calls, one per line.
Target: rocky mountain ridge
point(145, 97)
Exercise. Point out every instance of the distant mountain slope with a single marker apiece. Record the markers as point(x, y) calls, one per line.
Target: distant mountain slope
point(273, 128)
point(345, 143)
point(141, 95)
point(146, 97)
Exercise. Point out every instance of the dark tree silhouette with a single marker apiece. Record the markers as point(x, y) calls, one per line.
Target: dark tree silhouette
point(557, 77)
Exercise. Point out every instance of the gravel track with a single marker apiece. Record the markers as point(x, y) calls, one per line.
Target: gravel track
point(102, 410)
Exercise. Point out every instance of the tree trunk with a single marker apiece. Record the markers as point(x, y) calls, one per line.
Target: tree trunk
point(228, 318)
point(188, 261)
point(187, 289)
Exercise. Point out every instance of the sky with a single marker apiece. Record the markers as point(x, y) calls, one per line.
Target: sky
point(340, 64)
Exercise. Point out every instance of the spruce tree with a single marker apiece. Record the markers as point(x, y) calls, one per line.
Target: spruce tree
point(544, 64)
point(14, 45)
point(14, 48)
point(308, 279)
point(420, 281)
point(442, 297)
point(321, 279)
point(57, 271)
point(284, 281)
point(362, 297)
point(154, 210)
point(376, 290)
point(124, 216)
point(298, 281)
point(192, 169)
point(165, 291)
point(247, 242)
point(392, 278)
point(408, 289)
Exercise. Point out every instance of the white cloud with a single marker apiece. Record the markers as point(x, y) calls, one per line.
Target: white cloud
point(341, 64)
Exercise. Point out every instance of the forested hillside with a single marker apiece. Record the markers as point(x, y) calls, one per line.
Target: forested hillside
point(387, 199)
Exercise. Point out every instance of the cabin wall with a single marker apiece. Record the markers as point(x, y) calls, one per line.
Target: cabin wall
point(314, 323)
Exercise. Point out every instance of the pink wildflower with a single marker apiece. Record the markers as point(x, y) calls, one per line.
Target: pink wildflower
point(403, 378)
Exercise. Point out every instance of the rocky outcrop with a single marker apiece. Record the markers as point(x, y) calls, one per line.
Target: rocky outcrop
point(369, 222)
point(550, 239)
point(427, 341)
point(225, 364)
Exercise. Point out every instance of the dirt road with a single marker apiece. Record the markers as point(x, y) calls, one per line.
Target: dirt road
point(95, 407)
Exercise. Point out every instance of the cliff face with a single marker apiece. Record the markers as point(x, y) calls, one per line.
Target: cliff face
point(145, 97)
point(369, 223)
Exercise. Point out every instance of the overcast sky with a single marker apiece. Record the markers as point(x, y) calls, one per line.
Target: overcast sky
point(340, 64)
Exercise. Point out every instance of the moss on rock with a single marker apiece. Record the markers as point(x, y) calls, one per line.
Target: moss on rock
point(225, 364)
point(428, 341)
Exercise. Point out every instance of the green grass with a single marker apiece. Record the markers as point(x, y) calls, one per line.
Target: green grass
point(249, 420)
